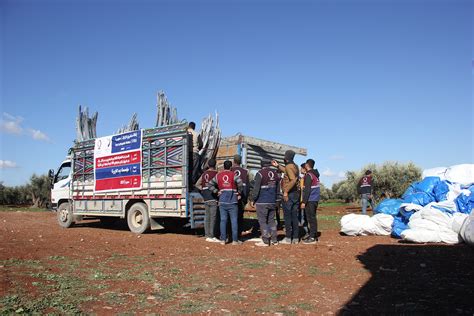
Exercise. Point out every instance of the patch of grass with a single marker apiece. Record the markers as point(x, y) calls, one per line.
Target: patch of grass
point(193, 307)
point(235, 297)
point(333, 203)
point(277, 295)
point(13, 208)
point(304, 306)
point(57, 258)
point(167, 293)
point(313, 271)
point(26, 263)
point(328, 222)
point(99, 275)
point(113, 298)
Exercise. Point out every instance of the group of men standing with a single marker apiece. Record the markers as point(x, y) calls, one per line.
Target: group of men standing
point(229, 191)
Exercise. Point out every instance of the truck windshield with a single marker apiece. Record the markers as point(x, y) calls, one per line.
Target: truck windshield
point(63, 172)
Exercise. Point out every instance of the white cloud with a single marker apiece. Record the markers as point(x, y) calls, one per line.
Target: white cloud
point(11, 124)
point(337, 157)
point(328, 173)
point(341, 175)
point(4, 164)
point(38, 135)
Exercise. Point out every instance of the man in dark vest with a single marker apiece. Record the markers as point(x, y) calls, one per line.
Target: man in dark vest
point(265, 194)
point(311, 193)
point(194, 157)
point(210, 201)
point(243, 174)
point(291, 197)
point(228, 186)
point(365, 189)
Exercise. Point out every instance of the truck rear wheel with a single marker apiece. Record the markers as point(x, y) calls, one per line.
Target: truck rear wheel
point(138, 219)
point(64, 215)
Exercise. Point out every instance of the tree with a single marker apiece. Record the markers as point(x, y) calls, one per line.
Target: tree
point(391, 178)
point(325, 193)
point(39, 190)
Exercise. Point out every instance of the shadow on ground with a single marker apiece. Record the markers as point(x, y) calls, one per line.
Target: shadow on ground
point(414, 279)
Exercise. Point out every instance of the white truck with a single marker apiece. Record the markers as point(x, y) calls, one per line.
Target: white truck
point(140, 175)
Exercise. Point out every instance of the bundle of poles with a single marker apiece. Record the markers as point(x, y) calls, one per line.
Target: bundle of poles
point(211, 138)
point(85, 125)
point(166, 115)
point(132, 125)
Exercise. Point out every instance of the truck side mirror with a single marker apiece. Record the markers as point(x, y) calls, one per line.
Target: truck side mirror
point(51, 178)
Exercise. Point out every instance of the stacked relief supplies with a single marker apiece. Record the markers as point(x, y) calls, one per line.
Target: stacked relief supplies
point(436, 209)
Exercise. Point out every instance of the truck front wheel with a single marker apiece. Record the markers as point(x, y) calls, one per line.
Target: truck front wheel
point(64, 214)
point(138, 219)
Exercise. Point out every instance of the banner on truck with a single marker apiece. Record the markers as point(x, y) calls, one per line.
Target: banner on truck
point(118, 162)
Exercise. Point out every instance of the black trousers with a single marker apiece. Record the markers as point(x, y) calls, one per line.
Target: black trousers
point(196, 172)
point(310, 211)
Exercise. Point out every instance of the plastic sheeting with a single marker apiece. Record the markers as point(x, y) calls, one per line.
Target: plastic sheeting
point(388, 206)
point(467, 230)
point(363, 225)
point(462, 174)
point(433, 225)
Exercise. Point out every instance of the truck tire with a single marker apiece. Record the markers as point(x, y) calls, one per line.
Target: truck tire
point(64, 215)
point(138, 219)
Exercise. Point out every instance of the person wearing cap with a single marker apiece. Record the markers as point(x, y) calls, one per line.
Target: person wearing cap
point(291, 197)
point(228, 187)
point(243, 174)
point(264, 194)
point(365, 189)
point(311, 194)
point(210, 201)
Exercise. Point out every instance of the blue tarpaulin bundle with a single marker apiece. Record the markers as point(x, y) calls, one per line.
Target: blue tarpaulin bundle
point(465, 203)
point(389, 206)
point(441, 191)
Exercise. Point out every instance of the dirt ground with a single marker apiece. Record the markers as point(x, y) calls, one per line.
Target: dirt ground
point(91, 269)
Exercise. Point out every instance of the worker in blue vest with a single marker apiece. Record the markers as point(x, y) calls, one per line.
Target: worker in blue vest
point(210, 201)
point(265, 194)
point(243, 174)
point(228, 187)
point(311, 193)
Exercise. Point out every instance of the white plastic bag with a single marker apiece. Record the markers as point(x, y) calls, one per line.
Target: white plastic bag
point(467, 230)
point(463, 174)
point(435, 172)
point(383, 224)
point(357, 225)
point(363, 225)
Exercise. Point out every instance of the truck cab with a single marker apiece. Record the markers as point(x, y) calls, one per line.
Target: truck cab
point(60, 183)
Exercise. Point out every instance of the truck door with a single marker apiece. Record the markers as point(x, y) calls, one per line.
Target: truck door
point(61, 183)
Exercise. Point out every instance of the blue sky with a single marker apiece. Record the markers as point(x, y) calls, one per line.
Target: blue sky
point(353, 81)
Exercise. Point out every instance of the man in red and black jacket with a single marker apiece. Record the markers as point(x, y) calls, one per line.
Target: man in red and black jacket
point(210, 201)
point(228, 187)
point(311, 194)
point(243, 174)
point(365, 187)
